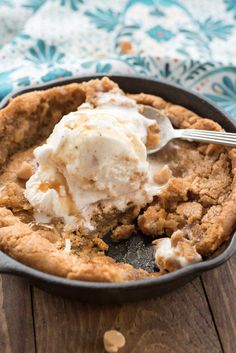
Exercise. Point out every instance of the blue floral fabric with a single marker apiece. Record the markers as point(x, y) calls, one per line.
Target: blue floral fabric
point(188, 42)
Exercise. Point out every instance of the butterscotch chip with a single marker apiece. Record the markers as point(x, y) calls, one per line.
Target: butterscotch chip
point(153, 137)
point(162, 176)
point(126, 47)
point(123, 232)
point(25, 171)
point(113, 340)
point(171, 254)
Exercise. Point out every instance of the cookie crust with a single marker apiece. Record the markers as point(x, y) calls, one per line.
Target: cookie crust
point(200, 197)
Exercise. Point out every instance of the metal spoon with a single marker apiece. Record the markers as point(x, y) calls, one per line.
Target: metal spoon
point(168, 133)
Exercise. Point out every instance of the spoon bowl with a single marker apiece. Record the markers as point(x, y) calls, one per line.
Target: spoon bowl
point(168, 133)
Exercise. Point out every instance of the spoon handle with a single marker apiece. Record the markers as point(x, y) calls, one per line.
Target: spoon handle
point(217, 137)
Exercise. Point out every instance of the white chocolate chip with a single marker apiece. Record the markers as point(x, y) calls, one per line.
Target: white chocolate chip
point(67, 246)
point(25, 171)
point(162, 176)
point(113, 340)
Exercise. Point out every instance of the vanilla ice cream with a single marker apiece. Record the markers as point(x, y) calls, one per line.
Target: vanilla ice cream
point(96, 155)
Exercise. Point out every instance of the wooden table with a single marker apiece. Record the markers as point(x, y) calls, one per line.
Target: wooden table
point(198, 318)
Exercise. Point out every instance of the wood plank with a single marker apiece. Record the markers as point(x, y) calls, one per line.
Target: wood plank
point(16, 324)
point(220, 286)
point(179, 322)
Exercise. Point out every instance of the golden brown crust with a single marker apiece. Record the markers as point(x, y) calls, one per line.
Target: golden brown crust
point(37, 249)
point(200, 197)
point(31, 116)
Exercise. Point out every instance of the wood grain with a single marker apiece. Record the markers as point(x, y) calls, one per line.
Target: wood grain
point(16, 324)
point(179, 322)
point(220, 286)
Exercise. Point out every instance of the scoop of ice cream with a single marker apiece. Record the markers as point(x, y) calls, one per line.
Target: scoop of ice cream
point(94, 155)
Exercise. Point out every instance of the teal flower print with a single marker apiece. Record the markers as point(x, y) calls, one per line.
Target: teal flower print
point(20, 37)
point(225, 94)
point(56, 74)
point(166, 71)
point(5, 83)
point(160, 34)
point(140, 63)
point(74, 4)
point(131, 3)
point(157, 12)
point(99, 67)
point(103, 68)
point(169, 3)
point(43, 54)
point(104, 19)
point(210, 29)
point(5, 89)
point(88, 64)
point(124, 33)
point(231, 6)
point(6, 2)
point(205, 32)
point(34, 5)
point(215, 29)
point(24, 36)
point(23, 81)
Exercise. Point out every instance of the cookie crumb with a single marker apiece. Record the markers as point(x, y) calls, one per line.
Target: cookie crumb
point(100, 244)
point(113, 340)
point(123, 232)
point(25, 171)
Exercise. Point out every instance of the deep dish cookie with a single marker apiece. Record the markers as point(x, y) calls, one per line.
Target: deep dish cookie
point(194, 208)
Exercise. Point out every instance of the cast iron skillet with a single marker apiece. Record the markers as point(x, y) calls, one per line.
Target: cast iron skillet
point(135, 250)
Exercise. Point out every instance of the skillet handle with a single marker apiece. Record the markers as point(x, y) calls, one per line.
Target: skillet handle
point(5, 263)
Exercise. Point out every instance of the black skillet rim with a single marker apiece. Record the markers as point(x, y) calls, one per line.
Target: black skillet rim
point(10, 265)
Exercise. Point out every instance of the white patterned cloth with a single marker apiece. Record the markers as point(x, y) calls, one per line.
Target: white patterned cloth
point(188, 42)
